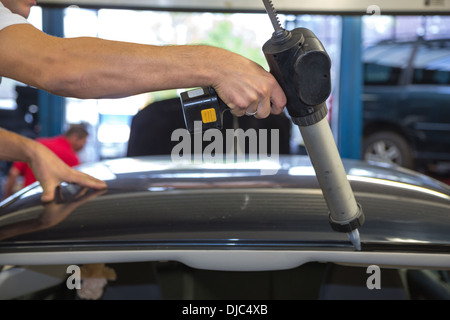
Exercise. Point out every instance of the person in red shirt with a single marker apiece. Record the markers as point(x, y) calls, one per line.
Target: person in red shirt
point(64, 146)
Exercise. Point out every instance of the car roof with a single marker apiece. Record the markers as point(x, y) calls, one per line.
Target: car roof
point(434, 54)
point(199, 214)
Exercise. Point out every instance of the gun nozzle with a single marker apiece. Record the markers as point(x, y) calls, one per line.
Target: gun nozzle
point(355, 239)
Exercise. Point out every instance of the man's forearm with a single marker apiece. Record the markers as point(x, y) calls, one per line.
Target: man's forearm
point(88, 67)
point(95, 68)
point(125, 69)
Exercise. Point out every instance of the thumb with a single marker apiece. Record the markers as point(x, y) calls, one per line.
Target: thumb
point(48, 193)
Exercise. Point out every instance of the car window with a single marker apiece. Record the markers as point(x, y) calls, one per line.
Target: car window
point(384, 63)
point(432, 63)
point(377, 74)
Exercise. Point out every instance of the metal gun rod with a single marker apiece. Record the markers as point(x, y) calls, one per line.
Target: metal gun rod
point(273, 16)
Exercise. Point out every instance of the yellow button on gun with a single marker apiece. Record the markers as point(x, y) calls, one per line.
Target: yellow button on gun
point(209, 115)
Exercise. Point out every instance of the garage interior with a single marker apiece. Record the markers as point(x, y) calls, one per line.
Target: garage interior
point(390, 100)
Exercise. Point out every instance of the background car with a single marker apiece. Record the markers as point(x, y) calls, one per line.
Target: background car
point(180, 230)
point(406, 101)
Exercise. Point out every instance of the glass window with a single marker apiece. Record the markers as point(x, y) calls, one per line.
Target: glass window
point(243, 33)
point(377, 74)
point(432, 63)
point(388, 43)
point(385, 62)
point(8, 92)
point(18, 104)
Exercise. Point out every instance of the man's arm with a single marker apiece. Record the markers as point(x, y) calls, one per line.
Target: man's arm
point(95, 68)
point(49, 170)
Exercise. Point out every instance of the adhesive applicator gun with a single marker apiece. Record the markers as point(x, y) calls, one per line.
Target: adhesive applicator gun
point(299, 62)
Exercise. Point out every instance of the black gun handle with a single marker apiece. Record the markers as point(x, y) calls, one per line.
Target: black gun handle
point(202, 105)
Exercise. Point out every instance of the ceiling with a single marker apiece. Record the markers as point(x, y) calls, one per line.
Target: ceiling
point(355, 7)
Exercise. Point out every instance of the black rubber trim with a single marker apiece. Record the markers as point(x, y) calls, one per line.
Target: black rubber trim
point(311, 119)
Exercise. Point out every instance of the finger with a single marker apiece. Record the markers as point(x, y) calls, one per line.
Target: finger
point(246, 101)
point(252, 108)
point(263, 109)
point(238, 112)
point(237, 109)
point(278, 99)
point(86, 180)
point(48, 193)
